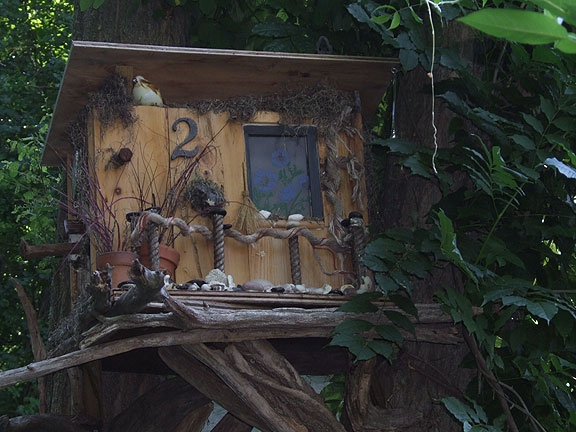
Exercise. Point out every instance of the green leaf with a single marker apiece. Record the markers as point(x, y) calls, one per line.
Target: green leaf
point(560, 8)
point(414, 266)
point(409, 59)
point(544, 310)
point(523, 141)
point(85, 4)
point(404, 303)
point(458, 409)
point(390, 333)
point(449, 247)
point(397, 145)
point(386, 283)
point(547, 108)
point(568, 45)
point(517, 25)
point(208, 7)
point(400, 320)
point(395, 21)
point(383, 348)
point(353, 326)
point(355, 344)
point(374, 263)
point(534, 122)
point(361, 303)
point(561, 167)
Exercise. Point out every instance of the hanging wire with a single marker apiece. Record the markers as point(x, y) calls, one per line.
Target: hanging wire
point(394, 97)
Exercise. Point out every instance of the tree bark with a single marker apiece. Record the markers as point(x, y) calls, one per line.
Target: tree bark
point(147, 23)
point(423, 372)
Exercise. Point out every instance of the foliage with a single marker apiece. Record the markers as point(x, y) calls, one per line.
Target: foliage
point(509, 228)
point(33, 44)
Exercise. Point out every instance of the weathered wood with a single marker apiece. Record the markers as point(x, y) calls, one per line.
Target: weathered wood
point(146, 288)
point(28, 251)
point(206, 381)
point(269, 385)
point(163, 409)
point(230, 423)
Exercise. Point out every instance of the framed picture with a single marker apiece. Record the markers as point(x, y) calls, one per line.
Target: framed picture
point(283, 169)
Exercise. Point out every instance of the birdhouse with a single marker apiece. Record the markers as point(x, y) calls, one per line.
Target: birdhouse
point(247, 166)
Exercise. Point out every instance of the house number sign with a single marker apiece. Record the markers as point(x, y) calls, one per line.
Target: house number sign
point(179, 151)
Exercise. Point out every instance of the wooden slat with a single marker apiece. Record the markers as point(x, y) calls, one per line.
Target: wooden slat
point(185, 75)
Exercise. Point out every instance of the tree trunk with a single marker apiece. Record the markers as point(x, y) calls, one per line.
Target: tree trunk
point(146, 23)
point(423, 373)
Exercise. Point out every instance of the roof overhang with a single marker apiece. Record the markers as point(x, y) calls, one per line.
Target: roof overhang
point(185, 75)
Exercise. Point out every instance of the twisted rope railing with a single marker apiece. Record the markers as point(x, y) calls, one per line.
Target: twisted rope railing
point(186, 230)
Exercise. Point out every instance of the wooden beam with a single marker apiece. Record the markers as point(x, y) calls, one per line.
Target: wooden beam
point(28, 251)
point(265, 382)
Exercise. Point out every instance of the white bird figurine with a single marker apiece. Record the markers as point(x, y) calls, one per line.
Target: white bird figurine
point(146, 93)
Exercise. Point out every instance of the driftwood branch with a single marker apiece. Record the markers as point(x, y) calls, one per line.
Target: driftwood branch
point(28, 251)
point(38, 348)
point(146, 288)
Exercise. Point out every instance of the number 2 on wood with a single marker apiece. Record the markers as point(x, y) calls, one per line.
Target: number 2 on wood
point(192, 132)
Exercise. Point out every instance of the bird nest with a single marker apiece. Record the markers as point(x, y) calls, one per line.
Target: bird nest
point(321, 105)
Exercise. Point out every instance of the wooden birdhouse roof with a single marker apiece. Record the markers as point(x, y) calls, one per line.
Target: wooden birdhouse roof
point(185, 75)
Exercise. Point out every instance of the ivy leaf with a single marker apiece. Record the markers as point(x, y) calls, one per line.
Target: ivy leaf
point(400, 320)
point(386, 283)
point(353, 326)
point(449, 246)
point(361, 303)
point(404, 303)
point(357, 345)
point(516, 25)
point(523, 141)
point(397, 145)
point(534, 122)
point(85, 4)
point(390, 333)
point(383, 348)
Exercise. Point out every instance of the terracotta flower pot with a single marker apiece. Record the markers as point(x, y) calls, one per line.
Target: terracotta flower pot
point(169, 258)
point(121, 261)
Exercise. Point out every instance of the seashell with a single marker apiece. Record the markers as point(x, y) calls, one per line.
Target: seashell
point(265, 214)
point(296, 217)
point(257, 285)
point(299, 288)
point(366, 285)
point(216, 275)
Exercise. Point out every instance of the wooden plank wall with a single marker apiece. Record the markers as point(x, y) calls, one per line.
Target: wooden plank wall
point(147, 177)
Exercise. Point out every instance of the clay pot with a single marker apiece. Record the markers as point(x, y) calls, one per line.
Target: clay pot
point(121, 261)
point(169, 258)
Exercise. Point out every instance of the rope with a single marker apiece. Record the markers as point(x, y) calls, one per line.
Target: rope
point(218, 233)
point(153, 245)
point(330, 244)
point(295, 270)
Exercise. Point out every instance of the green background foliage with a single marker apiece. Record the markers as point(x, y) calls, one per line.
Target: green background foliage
point(34, 39)
point(508, 229)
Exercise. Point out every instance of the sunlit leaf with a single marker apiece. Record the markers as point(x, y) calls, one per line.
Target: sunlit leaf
point(561, 167)
point(516, 25)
